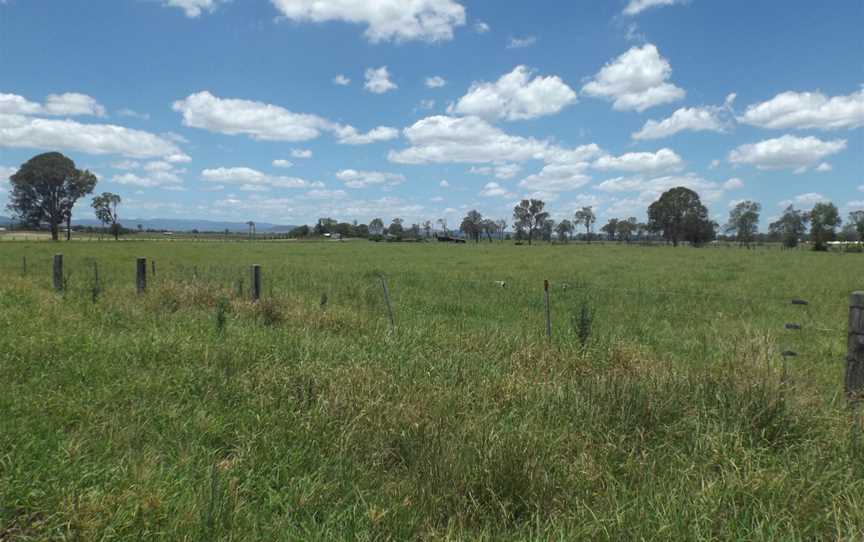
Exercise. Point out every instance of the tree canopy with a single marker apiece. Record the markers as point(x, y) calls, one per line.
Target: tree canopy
point(824, 220)
point(105, 206)
point(529, 216)
point(680, 216)
point(45, 189)
point(744, 221)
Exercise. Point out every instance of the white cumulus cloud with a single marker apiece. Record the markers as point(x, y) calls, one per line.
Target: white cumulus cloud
point(193, 8)
point(398, 20)
point(733, 184)
point(378, 80)
point(361, 179)
point(341, 80)
point(636, 80)
point(267, 122)
point(521, 43)
point(301, 153)
point(786, 152)
point(807, 110)
point(67, 104)
point(436, 81)
point(516, 96)
point(281, 162)
point(495, 190)
point(26, 132)
point(635, 7)
point(693, 119)
point(641, 162)
point(253, 180)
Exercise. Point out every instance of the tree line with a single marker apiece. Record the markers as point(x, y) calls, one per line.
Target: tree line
point(46, 188)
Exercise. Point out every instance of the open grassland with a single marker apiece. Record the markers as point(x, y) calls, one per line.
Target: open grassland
point(136, 418)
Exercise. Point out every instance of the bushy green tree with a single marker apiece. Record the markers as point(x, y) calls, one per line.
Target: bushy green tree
point(744, 222)
point(45, 189)
point(586, 217)
point(790, 227)
point(680, 216)
point(105, 207)
point(529, 217)
point(824, 221)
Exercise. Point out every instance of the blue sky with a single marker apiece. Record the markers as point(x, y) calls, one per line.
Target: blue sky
point(289, 110)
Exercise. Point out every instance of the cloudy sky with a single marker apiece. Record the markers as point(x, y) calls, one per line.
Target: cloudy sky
point(288, 110)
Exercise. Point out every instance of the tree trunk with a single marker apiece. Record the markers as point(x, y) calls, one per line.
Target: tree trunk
point(69, 227)
point(55, 232)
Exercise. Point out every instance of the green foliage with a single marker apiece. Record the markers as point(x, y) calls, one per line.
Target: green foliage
point(45, 189)
point(824, 220)
point(680, 216)
point(529, 217)
point(791, 227)
point(744, 221)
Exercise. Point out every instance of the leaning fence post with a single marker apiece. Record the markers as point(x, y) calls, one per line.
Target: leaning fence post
point(387, 302)
point(548, 313)
point(255, 282)
point(141, 276)
point(58, 272)
point(854, 383)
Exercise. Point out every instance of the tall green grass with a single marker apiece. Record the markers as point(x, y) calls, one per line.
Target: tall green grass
point(189, 413)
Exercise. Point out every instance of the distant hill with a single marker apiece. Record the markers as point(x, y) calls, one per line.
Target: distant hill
point(4, 221)
point(177, 224)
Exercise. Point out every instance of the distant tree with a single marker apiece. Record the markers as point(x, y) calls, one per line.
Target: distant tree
point(611, 228)
point(586, 217)
point(105, 206)
point(325, 225)
point(251, 225)
point(856, 220)
point(502, 226)
point(564, 229)
point(529, 216)
point(361, 230)
point(396, 229)
point(625, 228)
point(427, 228)
point(300, 232)
point(680, 216)
point(489, 227)
point(443, 223)
point(790, 227)
point(744, 222)
point(46, 188)
point(140, 228)
point(472, 225)
point(824, 221)
point(546, 229)
point(376, 227)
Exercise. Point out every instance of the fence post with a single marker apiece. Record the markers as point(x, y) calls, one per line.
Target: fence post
point(58, 272)
point(854, 383)
point(141, 276)
point(387, 302)
point(24, 266)
point(548, 312)
point(255, 282)
point(153, 267)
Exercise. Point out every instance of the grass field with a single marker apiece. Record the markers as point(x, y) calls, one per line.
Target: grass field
point(136, 418)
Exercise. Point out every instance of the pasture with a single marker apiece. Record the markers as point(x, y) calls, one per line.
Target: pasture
point(658, 410)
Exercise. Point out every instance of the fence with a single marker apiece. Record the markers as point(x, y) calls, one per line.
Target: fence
point(854, 362)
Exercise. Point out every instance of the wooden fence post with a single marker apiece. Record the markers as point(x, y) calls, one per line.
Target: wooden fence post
point(141, 276)
point(548, 311)
point(255, 282)
point(854, 383)
point(58, 272)
point(153, 267)
point(389, 305)
point(24, 266)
